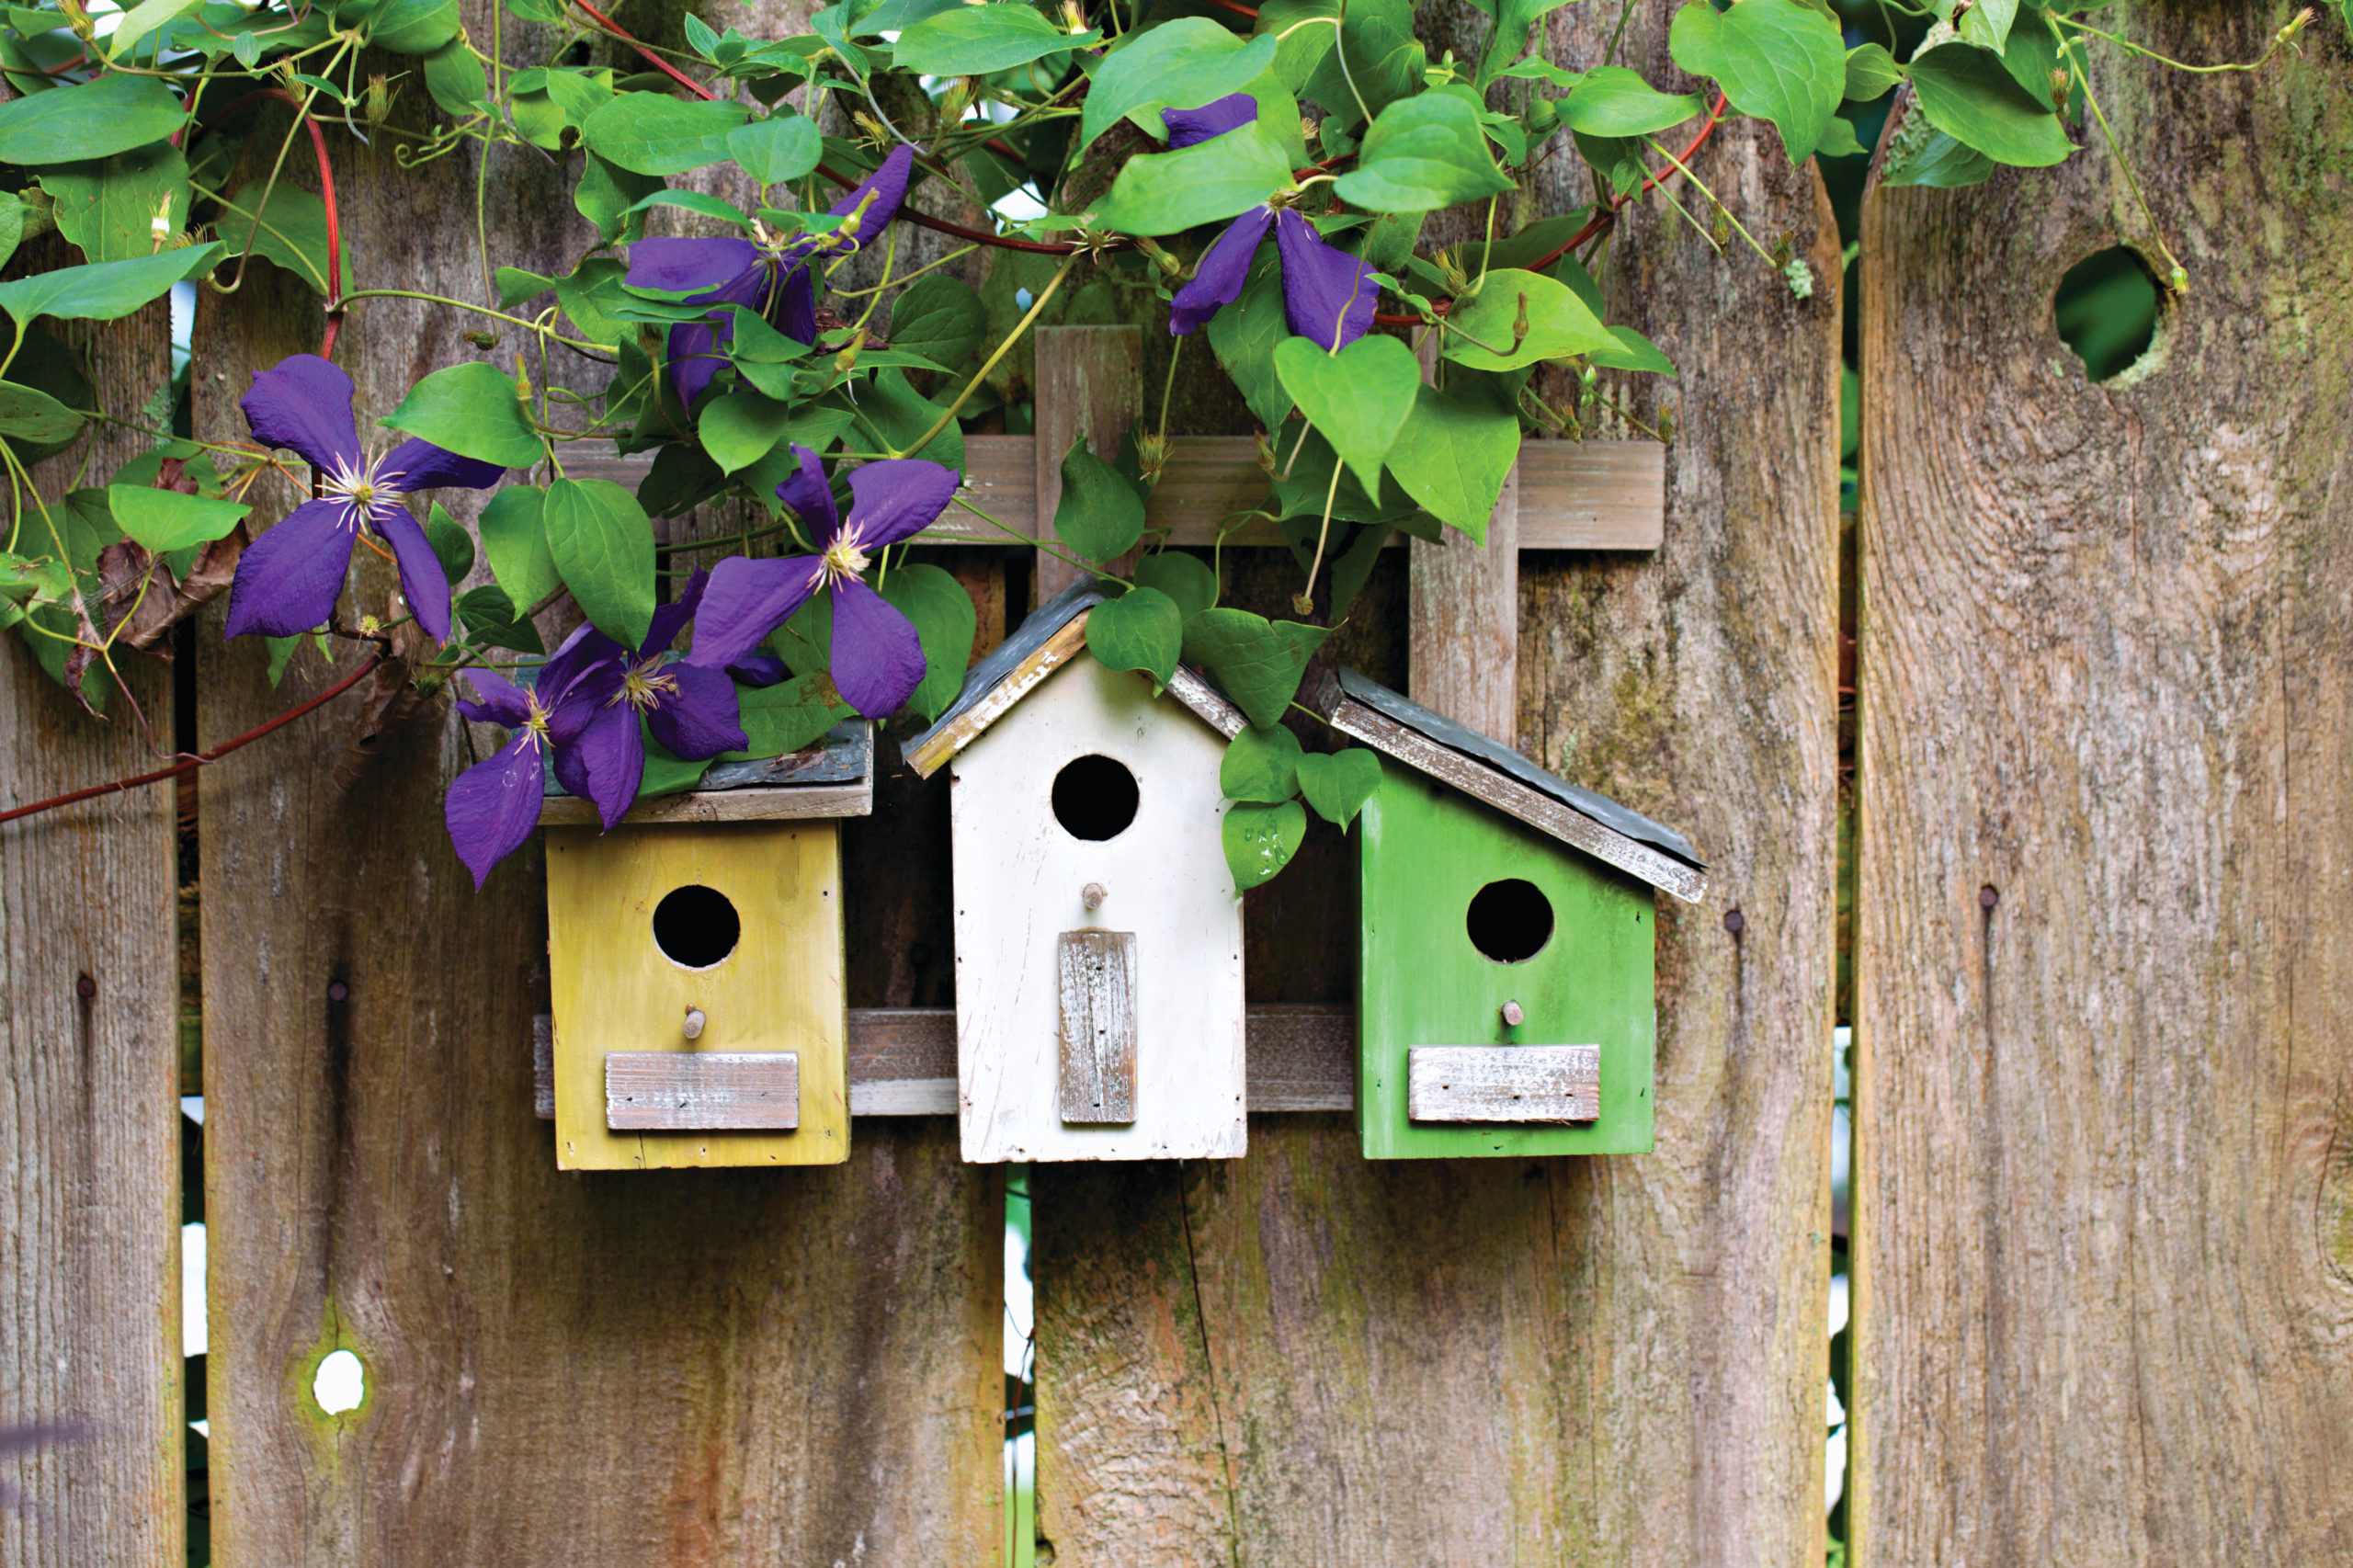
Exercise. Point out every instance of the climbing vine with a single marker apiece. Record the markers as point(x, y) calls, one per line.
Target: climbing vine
point(1268, 172)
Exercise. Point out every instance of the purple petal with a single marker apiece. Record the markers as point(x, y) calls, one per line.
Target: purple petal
point(1188, 127)
point(599, 752)
point(747, 600)
point(303, 403)
point(1224, 269)
point(794, 311)
point(877, 656)
point(889, 184)
point(422, 582)
point(757, 670)
point(417, 465)
point(585, 649)
point(897, 497)
point(289, 579)
point(811, 498)
point(495, 804)
point(701, 720)
point(671, 618)
point(685, 267)
point(694, 355)
point(1328, 295)
point(496, 700)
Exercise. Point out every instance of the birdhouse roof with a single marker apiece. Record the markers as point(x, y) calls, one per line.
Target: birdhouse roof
point(1488, 771)
point(1050, 638)
point(832, 777)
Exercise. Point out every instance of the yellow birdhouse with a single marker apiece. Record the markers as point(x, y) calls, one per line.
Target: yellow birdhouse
point(696, 966)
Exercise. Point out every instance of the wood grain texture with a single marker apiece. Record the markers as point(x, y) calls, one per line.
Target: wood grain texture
point(1306, 1360)
point(678, 1091)
point(2104, 1035)
point(89, 1121)
point(1065, 644)
point(800, 803)
point(1464, 629)
point(602, 1368)
point(1504, 1083)
point(1089, 383)
point(1098, 1027)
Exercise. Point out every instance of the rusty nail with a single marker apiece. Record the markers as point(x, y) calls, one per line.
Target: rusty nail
point(337, 991)
point(86, 988)
point(1735, 922)
point(1513, 1016)
point(1988, 896)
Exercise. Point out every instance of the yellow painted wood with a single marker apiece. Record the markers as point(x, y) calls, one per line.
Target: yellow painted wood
point(781, 989)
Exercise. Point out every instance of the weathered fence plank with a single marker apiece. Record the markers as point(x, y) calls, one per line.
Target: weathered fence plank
point(2104, 1031)
point(1303, 1358)
point(724, 1367)
point(89, 1121)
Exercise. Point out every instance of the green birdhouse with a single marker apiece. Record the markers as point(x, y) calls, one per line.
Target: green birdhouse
point(1505, 996)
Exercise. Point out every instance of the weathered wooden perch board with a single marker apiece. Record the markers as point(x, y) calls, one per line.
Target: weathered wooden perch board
point(686, 1091)
point(1098, 1027)
point(1503, 1082)
point(1573, 495)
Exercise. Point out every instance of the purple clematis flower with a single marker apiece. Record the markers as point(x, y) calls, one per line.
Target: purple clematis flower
point(877, 656)
point(1328, 295)
point(494, 805)
point(289, 579)
point(690, 706)
point(781, 287)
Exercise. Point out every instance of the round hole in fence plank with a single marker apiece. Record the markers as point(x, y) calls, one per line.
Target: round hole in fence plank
point(695, 926)
point(2109, 309)
point(1095, 798)
point(340, 1383)
point(1510, 921)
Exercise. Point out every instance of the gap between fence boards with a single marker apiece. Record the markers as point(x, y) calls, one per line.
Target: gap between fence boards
point(1302, 1056)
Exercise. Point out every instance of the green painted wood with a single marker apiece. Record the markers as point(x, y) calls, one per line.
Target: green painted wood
point(1427, 850)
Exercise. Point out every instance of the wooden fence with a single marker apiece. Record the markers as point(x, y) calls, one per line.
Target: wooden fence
point(2104, 1296)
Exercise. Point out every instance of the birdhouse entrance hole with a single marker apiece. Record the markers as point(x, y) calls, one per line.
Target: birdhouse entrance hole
point(694, 927)
point(1095, 798)
point(1510, 921)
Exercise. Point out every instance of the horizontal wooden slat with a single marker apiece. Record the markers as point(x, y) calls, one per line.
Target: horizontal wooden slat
point(721, 805)
point(1573, 495)
point(702, 1091)
point(903, 1060)
point(1503, 1082)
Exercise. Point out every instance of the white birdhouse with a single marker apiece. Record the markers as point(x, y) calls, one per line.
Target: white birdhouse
point(1099, 936)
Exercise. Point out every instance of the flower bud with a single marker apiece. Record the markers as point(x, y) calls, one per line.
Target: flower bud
point(77, 19)
point(380, 100)
point(1665, 425)
point(1152, 456)
point(484, 340)
point(1265, 453)
point(2059, 81)
point(160, 228)
point(846, 361)
point(2178, 280)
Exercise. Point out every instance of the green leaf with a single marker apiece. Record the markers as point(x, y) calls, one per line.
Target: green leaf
point(166, 521)
point(452, 545)
point(12, 224)
point(35, 416)
point(1513, 19)
point(741, 427)
point(1339, 783)
point(1181, 64)
point(1454, 455)
point(1260, 840)
point(1772, 58)
point(472, 410)
point(1359, 397)
point(603, 546)
point(2031, 56)
point(1161, 193)
point(578, 94)
point(652, 133)
point(1257, 662)
point(145, 18)
point(1967, 94)
point(1918, 154)
point(976, 40)
point(772, 151)
point(515, 286)
point(787, 716)
point(589, 296)
point(491, 621)
point(898, 414)
point(105, 291)
point(514, 537)
point(1422, 153)
point(1384, 62)
point(413, 27)
point(1613, 101)
point(939, 317)
point(1186, 579)
point(110, 208)
point(1838, 142)
point(456, 81)
point(1520, 317)
point(292, 232)
point(1100, 515)
point(1144, 628)
point(95, 120)
point(1243, 335)
point(1635, 352)
point(1987, 23)
point(944, 617)
point(666, 773)
point(1260, 764)
point(1872, 73)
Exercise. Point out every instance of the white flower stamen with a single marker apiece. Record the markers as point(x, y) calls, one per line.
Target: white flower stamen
point(843, 558)
point(364, 486)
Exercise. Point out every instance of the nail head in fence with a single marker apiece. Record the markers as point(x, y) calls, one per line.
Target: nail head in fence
point(722, 1091)
point(1098, 1027)
point(1503, 1082)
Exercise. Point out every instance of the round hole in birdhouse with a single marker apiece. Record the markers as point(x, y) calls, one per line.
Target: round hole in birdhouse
point(1510, 921)
point(1095, 798)
point(694, 927)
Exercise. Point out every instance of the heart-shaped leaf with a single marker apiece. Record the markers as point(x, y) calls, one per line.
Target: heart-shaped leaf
point(1257, 662)
point(1783, 63)
point(1338, 784)
point(945, 620)
point(166, 521)
point(1141, 629)
point(1422, 153)
point(1100, 515)
point(1260, 765)
point(1455, 454)
point(603, 544)
point(472, 410)
point(1260, 840)
point(1359, 397)
point(1187, 579)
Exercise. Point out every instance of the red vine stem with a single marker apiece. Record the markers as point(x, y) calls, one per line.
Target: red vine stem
point(327, 198)
point(190, 765)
